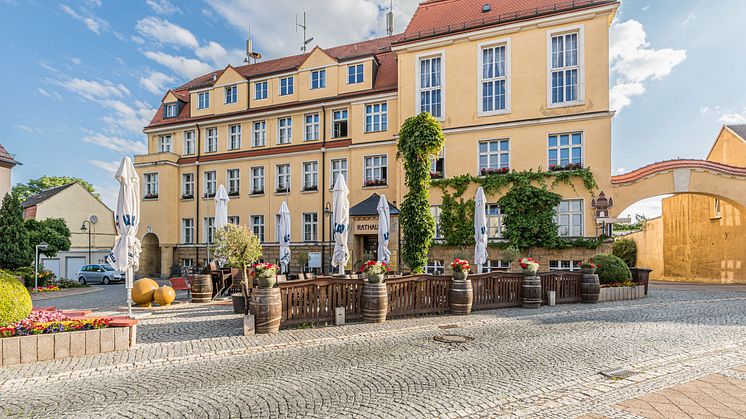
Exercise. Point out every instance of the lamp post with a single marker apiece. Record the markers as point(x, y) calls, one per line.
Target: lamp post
point(327, 213)
point(40, 246)
point(93, 220)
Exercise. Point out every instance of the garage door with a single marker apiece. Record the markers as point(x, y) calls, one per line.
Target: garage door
point(52, 265)
point(73, 266)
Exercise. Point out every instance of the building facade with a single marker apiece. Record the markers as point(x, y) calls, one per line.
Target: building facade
point(515, 86)
point(7, 163)
point(78, 207)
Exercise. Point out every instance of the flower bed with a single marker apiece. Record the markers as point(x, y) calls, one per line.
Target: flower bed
point(51, 321)
point(47, 288)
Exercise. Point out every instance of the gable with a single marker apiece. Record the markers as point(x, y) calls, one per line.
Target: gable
point(170, 97)
point(729, 148)
point(317, 58)
point(229, 76)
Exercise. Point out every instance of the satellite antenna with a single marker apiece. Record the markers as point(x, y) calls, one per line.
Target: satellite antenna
point(250, 53)
point(390, 20)
point(306, 41)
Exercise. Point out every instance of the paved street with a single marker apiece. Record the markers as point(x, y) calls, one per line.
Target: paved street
point(538, 363)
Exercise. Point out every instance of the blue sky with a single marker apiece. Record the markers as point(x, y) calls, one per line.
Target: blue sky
point(85, 76)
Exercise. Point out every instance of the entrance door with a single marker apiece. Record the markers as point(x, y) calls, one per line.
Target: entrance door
point(370, 246)
point(73, 266)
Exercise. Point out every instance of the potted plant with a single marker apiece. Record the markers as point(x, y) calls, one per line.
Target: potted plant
point(266, 274)
point(529, 266)
point(587, 267)
point(239, 248)
point(374, 271)
point(460, 268)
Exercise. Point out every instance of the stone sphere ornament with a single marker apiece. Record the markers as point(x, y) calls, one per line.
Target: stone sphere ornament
point(143, 291)
point(164, 295)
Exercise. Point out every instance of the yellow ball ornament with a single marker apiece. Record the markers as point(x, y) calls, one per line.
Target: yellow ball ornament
point(164, 295)
point(143, 291)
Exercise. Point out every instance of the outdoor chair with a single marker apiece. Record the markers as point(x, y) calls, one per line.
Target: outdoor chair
point(220, 279)
point(181, 284)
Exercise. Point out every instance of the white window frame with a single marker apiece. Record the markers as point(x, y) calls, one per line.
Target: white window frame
point(320, 79)
point(373, 168)
point(354, 68)
point(499, 219)
point(170, 110)
point(418, 99)
point(570, 214)
point(234, 137)
point(310, 173)
point(556, 265)
point(230, 94)
point(257, 178)
point(210, 185)
point(383, 117)
point(203, 100)
point(234, 219)
point(259, 136)
point(257, 228)
point(489, 153)
point(436, 211)
point(335, 120)
point(233, 177)
point(311, 130)
point(187, 184)
point(289, 87)
point(580, 30)
point(150, 184)
point(211, 139)
point(264, 90)
point(164, 143)
point(570, 146)
point(310, 226)
point(288, 130)
point(187, 230)
point(285, 176)
point(435, 267)
point(189, 143)
point(494, 265)
point(434, 163)
point(208, 229)
point(336, 171)
point(503, 42)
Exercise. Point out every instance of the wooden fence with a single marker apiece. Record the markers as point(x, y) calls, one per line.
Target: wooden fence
point(315, 300)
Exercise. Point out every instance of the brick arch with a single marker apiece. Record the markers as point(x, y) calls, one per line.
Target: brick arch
point(150, 257)
point(699, 177)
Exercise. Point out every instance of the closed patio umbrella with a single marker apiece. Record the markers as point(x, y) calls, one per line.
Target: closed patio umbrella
point(341, 208)
point(384, 225)
point(221, 207)
point(284, 239)
point(125, 256)
point(480, 230)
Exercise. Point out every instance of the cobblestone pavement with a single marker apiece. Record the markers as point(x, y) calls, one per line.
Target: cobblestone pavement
point(520, 363)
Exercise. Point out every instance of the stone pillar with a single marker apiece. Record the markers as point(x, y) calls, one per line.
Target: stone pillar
point(167, 259)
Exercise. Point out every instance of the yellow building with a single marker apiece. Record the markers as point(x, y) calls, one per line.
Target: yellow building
point(700, 238)
point(7, 163)
point(78, 207)
point(518, 85)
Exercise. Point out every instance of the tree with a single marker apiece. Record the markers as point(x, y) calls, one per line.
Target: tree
point(34, 186)
point(15, 250)
point(53, 231)
point(236, 245)
point(419, 139)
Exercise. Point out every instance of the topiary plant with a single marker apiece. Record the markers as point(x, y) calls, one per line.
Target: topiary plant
point(611, 269)
point(15, 301)
point(626, 249)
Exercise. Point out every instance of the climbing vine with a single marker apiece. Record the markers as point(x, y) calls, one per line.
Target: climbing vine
point(420, 137)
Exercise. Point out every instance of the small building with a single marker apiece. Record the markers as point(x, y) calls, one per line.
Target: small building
point(79, 208)
point(7, 163)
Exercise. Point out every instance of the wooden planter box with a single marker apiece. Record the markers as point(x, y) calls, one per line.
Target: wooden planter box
point(34, 348)
point(622, 293)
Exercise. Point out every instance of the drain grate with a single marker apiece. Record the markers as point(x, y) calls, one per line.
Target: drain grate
point(618, 374)
point(448, 326)
point(452, 338)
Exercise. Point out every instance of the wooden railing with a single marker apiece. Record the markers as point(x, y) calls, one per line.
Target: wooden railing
point(315, 300)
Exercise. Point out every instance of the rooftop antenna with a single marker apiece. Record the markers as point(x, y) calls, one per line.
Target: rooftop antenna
point(306, 41)
point(390, 20)
point(250, 53)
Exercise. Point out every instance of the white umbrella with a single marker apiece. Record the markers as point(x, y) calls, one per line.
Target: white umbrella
point(341, 208)
point(125, 256)
point(221, 207)
point(480, 230)
point(284, 239)
point(384, 224)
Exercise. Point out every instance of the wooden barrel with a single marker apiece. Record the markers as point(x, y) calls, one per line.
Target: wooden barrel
point(461, 296)
point(590, 288)
point(531, 292)
point(375, 302)
point(266, 306)
point(201, 289)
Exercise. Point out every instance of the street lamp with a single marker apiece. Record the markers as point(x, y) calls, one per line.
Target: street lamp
point(40, 246)
point(93, 220)
point(327, 213)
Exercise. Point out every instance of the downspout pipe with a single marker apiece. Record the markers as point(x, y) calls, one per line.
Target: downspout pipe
point(197, 193)
point(323, 188)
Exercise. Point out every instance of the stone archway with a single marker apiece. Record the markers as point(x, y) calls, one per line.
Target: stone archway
point(150, 257)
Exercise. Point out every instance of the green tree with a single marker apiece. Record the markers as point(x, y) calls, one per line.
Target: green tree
point(34, 186)
point(237, 246)
point(53, 231)
point(15, 250)
point(419, 139)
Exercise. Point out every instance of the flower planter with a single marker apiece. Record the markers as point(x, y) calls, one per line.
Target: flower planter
point(266, 281)
point(459, 275)
point(460, 296)
point(375, 279)
point(622, 293)
point(266, 306)
point(590, 288)
point(375, 302)
point(588, 271)
point(531, 291)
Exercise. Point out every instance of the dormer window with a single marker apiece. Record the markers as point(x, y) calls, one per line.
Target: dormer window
point(286, 86)
point(355, 73)
point(231, 94)
point(318, 79)
point(203, 100)
point(171, 110)
point(260, 90)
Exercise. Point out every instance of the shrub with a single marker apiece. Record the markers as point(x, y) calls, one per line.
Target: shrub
point(625, 249)
point(15, 301)
point(611, 269)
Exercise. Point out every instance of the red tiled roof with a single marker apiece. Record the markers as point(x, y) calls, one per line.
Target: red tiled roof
point(664, 166)
point(6, 157)
point(440, 17)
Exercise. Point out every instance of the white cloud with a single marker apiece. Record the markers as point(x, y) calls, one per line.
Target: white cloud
point(648, 208)
point(165, 32)
point(94, 90)
point(688, 19)
point(633, 62)
point(117, 144)
point(109, 167)
point(93, 23)
point(46, 93)
point(126, 118)
point(184, 67)
point(155, 82)
point(29, 130)
point(163, 7)
point(733, 118)
point(219, 56)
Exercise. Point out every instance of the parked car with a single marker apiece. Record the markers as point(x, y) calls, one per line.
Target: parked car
point(103, 273)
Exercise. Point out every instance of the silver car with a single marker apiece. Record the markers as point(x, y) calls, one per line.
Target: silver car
point(103, 273)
